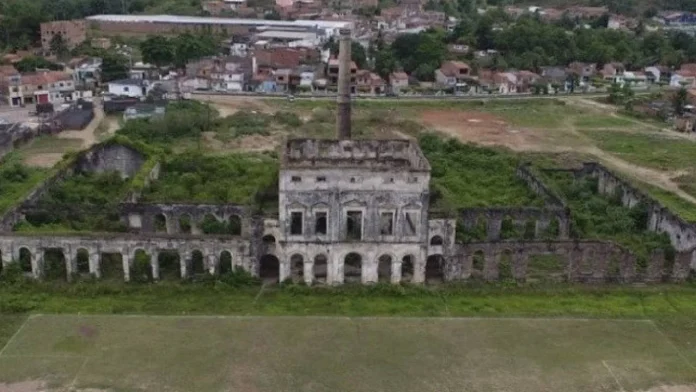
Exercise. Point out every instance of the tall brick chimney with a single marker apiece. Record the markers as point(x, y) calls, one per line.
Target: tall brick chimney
point(343, 129)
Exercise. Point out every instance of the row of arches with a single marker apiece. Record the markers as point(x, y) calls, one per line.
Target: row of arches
point(186, 224)
point(353, 269)
point(54, 264)
point(507, 228)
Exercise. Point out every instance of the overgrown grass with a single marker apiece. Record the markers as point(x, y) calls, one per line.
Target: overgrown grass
point(234, 178)
point(449, 300)
point(465, 175)
point(82, 202)
point(595, 216)
point(683, 208)
point(646, 149)
point(17, 180)
point(602, 121)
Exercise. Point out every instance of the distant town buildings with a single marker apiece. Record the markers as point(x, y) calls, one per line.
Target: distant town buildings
point(73, 33)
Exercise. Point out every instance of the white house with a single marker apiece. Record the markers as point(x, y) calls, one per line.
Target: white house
point(682, 79)
point(136, 88)
point(234, 4)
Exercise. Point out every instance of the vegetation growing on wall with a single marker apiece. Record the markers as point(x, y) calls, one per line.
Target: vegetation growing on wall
point(17, 180)
point(598, 217)
point(83, 202)
point(234, 178)
point(465, 175)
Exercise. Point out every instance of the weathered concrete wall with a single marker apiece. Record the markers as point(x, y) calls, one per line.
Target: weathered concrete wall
point(520, 217)
point(582, 261)
point(526, 174)
point(681, 233)
point(111, 157)
point(99, 158)
point(140, 217)
point(211, 248)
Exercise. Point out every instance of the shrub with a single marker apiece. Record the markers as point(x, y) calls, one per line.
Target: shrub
point(239, 277)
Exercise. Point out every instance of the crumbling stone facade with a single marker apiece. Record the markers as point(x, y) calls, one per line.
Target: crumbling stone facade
point(357, 211)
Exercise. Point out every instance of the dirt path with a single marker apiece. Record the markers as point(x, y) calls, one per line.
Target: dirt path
point(86, 135)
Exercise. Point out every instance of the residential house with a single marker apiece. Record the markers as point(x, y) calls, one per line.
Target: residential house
point(135, 88)
point(398, 81)
point(282, 80)
point(613, 73)
point(526, 80)
point(453, 74)
point(306, 74)
point(583, 71)
point(684, 77)
point(369, 82)
point(9, 77)
point(234, 4)
point(87, 72)
point(556, 77)
point(229, 74)
point(143, 71)
point(332, 73)
point(636, 78)
point(45, 87)
point(494, 82)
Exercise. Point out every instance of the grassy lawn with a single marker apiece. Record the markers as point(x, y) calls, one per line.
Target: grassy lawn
point(50, 144)
point(603, 121)
point(645, 149)
point(340, 354)
point(676, 204)
point(16, 180)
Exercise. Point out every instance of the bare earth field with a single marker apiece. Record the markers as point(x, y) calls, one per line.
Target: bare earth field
point(250, 354)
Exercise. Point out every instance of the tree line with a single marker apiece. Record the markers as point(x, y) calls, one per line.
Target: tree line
point(529, 43)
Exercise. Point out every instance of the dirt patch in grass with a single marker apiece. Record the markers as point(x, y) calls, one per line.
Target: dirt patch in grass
point(482, 128)
point(673, 388)
point(24, 386)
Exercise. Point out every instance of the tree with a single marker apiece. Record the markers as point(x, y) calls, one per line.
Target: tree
point(32, 63)
point(59, 47)
point(679, 101)
point(114, 67)
point(357, 52)
point(385, 63)
point(157, 50)
point(188, 46)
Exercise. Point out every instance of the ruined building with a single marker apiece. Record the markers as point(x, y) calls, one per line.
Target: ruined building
point(349, 211)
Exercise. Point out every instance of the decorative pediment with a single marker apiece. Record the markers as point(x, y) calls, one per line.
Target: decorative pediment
point(354, 203)
point(320, 206)
point(295, 206)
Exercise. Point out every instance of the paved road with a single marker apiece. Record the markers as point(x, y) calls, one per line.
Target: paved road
point(209, 95)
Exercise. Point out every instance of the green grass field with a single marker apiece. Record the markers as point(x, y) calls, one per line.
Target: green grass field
point(199, 353)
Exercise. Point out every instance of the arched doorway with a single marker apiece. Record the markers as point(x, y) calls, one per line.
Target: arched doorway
point(225, 266)
point(384, 269)
point(478, 263)
point(436, 240)
point(434, 269)
point(54, 265)
point(352, 268)
point(407, 269)
point(111, 266)
point(160, 223)
point(297, 268)
point(141, 271)
point(197, 263)
point(25, 260)
point(234, 226)
point(185, 224)
point(320, 269)
point(269, 269)
point(169, 265)
point(505, 266)
point(82, 262)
